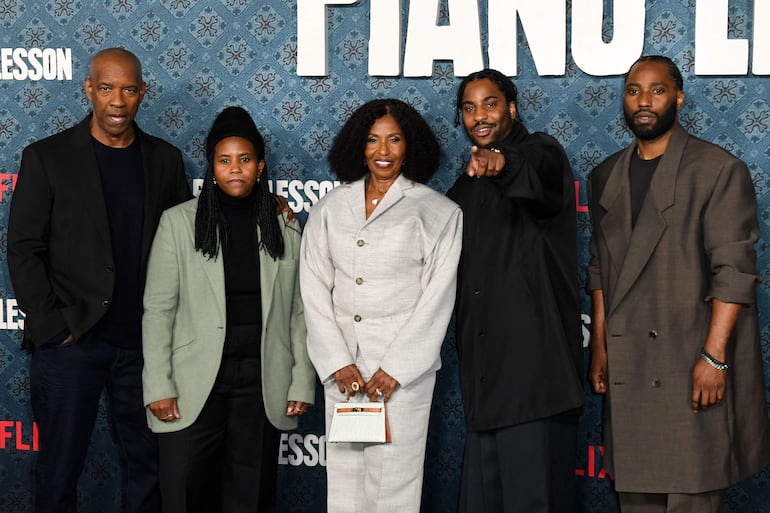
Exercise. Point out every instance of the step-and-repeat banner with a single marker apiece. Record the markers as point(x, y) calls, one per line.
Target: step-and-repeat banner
point(301, 67)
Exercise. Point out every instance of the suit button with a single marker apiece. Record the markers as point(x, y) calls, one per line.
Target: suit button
point(360, 242)
point(110, 269)
point(656, 383)
point(106, 303)
point(476, 292)
point(653, 334)
point(357, 318)
point(359, 281)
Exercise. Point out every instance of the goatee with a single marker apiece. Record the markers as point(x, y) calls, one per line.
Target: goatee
point(663, 123)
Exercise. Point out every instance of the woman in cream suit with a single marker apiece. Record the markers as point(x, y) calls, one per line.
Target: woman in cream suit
point(226, 364)
point(378, 273)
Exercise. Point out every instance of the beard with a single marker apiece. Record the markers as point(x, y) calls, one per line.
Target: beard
point(663, 123)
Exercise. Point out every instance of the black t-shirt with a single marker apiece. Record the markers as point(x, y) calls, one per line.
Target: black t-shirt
point(640, 175)
point(122, 175)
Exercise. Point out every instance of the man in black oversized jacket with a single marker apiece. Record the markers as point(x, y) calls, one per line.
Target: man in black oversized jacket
point(518, 312)
point(83, 216)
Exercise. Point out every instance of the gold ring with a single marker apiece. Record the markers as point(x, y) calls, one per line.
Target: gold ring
point(355, 386)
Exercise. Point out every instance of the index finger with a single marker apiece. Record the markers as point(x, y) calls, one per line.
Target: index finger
point(696, 398)
point(482, 166)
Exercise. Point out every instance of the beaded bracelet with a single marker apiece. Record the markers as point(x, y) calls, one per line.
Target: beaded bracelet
point(713, 361)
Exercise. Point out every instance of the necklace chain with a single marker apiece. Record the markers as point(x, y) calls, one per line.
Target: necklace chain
point(375, 201)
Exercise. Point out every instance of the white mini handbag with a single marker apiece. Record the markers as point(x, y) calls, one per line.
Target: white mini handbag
point(359, 422)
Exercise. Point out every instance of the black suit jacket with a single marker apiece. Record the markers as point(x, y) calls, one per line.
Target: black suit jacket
point(59, 244)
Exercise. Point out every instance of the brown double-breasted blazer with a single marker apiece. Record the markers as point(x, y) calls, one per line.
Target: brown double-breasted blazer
point(693, 241)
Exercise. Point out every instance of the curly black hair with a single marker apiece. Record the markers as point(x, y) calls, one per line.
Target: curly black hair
point(211, 227)
point(673, 70)
point(506, 85)
point(422, 149)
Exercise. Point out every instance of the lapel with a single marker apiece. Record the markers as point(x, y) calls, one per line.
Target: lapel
point(152, 199)
point(630, 250)
point(213, 268)
point(356, 200)
point(616, 202)
point(354, 197)
point(268, 271)
point(90, 182)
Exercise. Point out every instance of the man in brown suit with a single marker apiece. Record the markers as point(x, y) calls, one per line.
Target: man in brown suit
point(675, 342)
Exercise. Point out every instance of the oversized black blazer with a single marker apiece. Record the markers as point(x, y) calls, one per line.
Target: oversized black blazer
point(59, 244)
point(519, 336)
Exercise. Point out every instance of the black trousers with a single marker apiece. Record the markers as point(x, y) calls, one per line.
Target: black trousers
point(227, 460)
point(66, 382)
point(528, 468)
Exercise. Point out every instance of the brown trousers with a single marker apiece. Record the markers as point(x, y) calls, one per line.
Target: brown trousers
point(709, 502)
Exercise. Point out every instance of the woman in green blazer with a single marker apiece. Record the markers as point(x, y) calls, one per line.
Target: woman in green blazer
point(225, 361)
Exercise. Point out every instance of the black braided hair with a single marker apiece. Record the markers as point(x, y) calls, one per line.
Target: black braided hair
point(673, 70)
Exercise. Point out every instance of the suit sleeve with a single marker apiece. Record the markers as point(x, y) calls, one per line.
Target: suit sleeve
point(28, 249)
point(302, 386)
point(730, 231)
point(593, 277)
point(533, 175)
point(428, 323)
point(325, 342)
point(161, 297)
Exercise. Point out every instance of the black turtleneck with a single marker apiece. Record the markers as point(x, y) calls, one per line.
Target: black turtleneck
point(241, 261)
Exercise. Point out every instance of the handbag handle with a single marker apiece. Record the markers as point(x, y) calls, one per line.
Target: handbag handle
point(358, 409)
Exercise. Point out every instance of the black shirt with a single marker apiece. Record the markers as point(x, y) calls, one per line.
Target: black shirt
point(122, 175)
point(640, 175)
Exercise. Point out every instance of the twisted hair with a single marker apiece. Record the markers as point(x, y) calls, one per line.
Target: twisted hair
point(422, 149)
point(211, 230)
point(506, 86)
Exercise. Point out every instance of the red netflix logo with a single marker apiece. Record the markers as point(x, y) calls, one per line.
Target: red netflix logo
point(12, 433)
point(578, 206)
point(594, 467)
point(7, 183)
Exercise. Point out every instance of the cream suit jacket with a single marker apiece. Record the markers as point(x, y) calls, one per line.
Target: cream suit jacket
point(380, 291)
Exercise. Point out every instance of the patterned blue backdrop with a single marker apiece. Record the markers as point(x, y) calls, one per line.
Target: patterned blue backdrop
point(200, 56)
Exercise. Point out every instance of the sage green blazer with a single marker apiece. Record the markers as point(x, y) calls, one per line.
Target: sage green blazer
point(183, 326)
